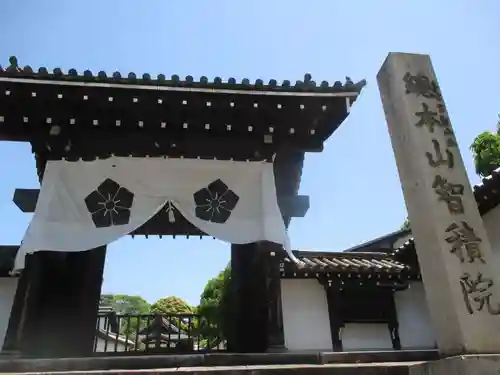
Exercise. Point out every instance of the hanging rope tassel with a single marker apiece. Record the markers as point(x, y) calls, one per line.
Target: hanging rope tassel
point(171, 215)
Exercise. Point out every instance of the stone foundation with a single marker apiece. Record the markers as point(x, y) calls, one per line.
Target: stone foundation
point(195, 363)
point(485, 364)
point(337, 369)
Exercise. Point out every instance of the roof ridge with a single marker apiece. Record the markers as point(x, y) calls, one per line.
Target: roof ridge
point(307, 84)
point(496, 171)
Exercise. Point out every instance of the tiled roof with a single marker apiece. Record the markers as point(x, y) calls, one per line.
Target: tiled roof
point(487, 179)
point(307, 85)
point(105, 309)
point(162, 326)
point(348, 262)
point(407, 244)
point(487, 195)
point(111, 337)
point(381, 243)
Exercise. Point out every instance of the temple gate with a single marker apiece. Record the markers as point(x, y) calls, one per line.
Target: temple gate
point(71, 116)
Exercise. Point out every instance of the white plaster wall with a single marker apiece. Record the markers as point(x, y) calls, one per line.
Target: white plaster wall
point(8, 286)
point(103, 323)
point(101, 346)
point(366, 336)
point(492, 225)
point(306, 323)
point(415, 329)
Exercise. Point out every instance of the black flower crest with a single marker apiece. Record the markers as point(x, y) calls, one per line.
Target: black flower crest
point(109, 204)
point(215, 202)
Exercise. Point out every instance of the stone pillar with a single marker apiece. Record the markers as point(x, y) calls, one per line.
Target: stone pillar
point(452, 245)
point(62, 298)
point(249, 295)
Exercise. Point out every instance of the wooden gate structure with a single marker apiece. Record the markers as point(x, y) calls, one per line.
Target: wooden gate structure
point(86, 116)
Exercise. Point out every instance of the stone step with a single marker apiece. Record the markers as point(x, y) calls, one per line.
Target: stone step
point(384, 368)
point(208, 360)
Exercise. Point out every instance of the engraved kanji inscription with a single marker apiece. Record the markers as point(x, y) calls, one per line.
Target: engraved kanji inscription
point(477, 294)
point(449, 193)
point(464, 242)
point(427, 118)
point(445, 123)
point(450, 142)
point(443, 118)
point(440, 159)
point(421, 85)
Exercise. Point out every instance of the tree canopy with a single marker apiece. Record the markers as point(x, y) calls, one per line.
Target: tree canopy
point(171, 305)
point(215, 307)
point(486, 152)
point(406, 224)
point(124, 304)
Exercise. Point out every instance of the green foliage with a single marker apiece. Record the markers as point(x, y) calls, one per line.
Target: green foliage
point(171, 305)
point(486, 152)
point(406, 224)
point(175, 305)
point(123, 304)
point(129, 326)
point(215, 308)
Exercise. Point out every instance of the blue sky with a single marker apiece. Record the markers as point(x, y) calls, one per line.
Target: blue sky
point(354, 186)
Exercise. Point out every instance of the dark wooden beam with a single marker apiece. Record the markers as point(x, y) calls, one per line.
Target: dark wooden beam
point(394, 323)
point(25, 199)
point(334, 301)
point(295, 115)
point(249, 302)
point(102, 143)
point(294, 206)
point(13, 333)
point(275, 331)
point(7, 258)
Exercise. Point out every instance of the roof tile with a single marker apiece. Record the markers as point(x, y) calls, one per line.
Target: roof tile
point(348, 262)
point(14, 70)
point(487, 195)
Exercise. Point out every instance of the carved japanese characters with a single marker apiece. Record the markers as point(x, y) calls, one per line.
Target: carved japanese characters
point(464, 244)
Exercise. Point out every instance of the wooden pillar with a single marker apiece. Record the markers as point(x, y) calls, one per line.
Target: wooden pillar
point(61, 303)
point(249, 294)
point(334, 301)
point(11, 341)
point(393, 323)
point(253, 292)
point(275, 333)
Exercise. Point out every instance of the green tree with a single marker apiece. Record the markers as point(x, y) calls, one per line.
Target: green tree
point(215, 308)
point(171, 305)
point(406, 224)
point(124, 304)
point(486, 152)
point(127, 305)
point(174, 305)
